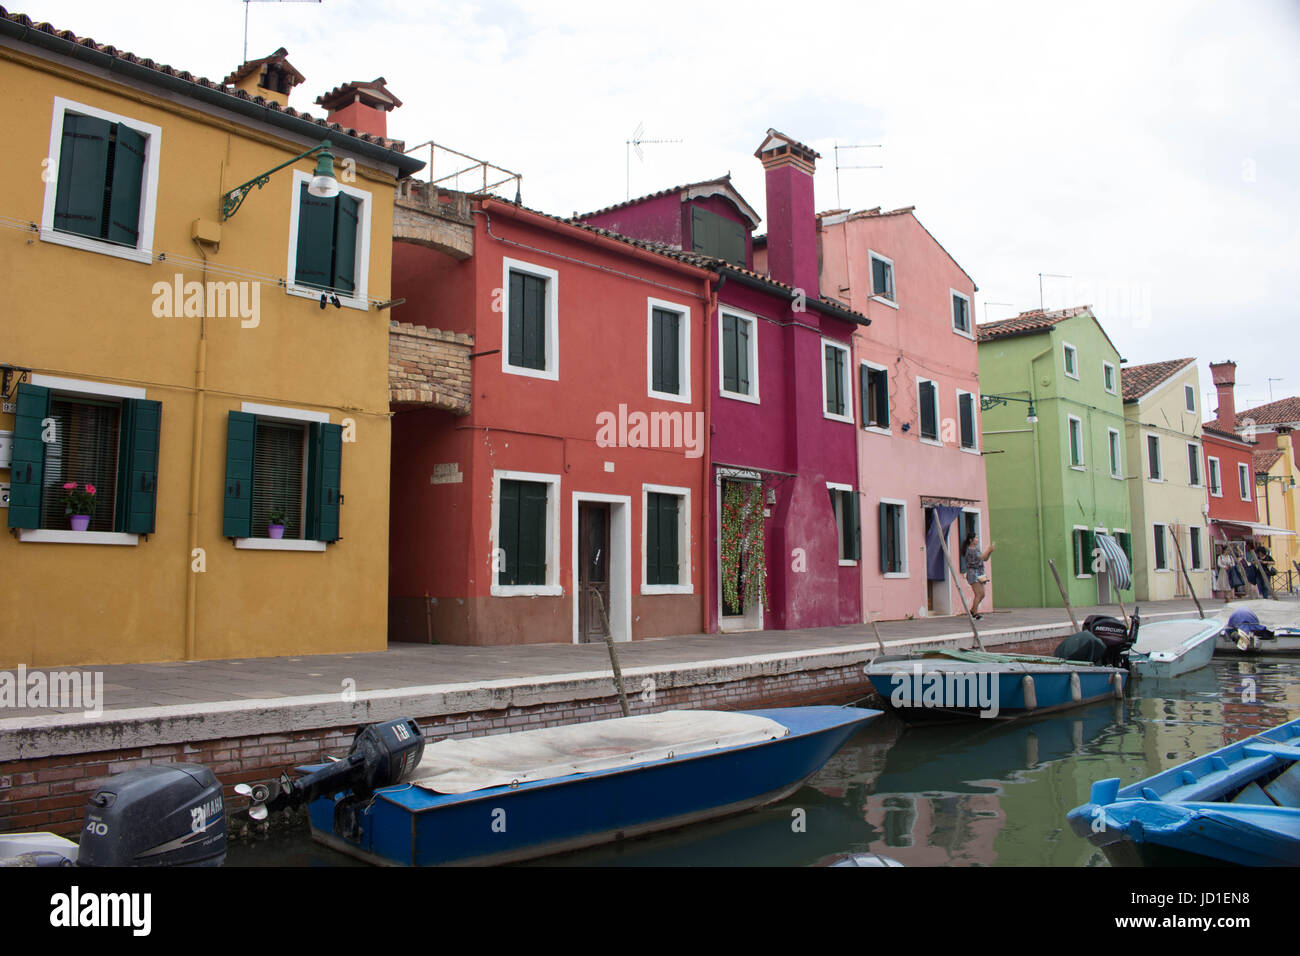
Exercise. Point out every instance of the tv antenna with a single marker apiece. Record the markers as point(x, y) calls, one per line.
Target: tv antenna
point(1270, 386)
point(246, 3)
point(1049, 275)
point(838, 167)
point(1010, 305)
point(634, 145)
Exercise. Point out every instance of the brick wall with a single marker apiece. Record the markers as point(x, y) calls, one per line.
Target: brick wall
point(429, 367)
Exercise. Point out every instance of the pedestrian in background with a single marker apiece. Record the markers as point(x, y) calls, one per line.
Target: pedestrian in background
point(973, 564)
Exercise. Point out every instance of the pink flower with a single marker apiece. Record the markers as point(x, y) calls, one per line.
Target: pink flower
point(69, 486)
point(90, 489)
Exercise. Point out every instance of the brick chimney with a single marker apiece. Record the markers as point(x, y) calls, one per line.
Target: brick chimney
point(361, 106)
point(272, 77)
point(1225, 377)
point(791, 211)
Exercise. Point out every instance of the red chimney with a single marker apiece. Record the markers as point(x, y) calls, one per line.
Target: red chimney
point(1225, 377)
point(791, 211)
point(363, 107)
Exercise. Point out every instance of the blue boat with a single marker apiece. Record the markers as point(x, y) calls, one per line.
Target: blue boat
point(516, 796)
point(1239, 805)
point(947, 684)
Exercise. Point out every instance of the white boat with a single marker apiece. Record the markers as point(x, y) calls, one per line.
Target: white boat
point(1172, 648)
point(1280, 634)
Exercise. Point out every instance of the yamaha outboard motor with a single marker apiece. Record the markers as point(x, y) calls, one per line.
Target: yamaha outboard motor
point(165, 815)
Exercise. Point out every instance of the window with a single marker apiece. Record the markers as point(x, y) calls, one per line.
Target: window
point(1195, 549)
point(1083, 545)
point(970, 522)
point(893, 538)
point(739, 356)
point(882, 278)
point(104, 436)
point(1108, 376)
point(960, 313)
point(873, 392)
point(330, 246)
point(1243, 480)
point(1076, 442)
point(1159, 559)
point(286, 464)
point(529, 331)
point(667, 557)
point(1216, 481)
point(669, 351)
point(1125, 541)
point(927, 399)
point(715, 235)
point(1112, 441)
point(1154, 471)
point(103, 182)
point(835, 382)
point(1071, 360)
point(1189, 396)
point(844, 505)
point(1193, 465)
point(966, 420)
point(525, 534)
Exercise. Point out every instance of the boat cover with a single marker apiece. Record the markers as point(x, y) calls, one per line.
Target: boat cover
point(1172, 635)
point(476, 763)
point(990, 657)
point(1274, 615)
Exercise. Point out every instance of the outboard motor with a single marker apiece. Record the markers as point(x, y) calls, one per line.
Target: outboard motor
point(164, 815)
point(1104, 641)
point(381, 755)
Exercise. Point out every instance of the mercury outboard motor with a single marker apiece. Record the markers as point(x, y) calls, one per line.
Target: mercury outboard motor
point(1104, 641)
point(164, 815)
point(382, 754)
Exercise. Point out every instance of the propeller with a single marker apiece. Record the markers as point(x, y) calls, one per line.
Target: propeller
point(259, 795)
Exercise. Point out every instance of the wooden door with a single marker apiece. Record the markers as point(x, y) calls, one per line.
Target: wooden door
point(593, 570)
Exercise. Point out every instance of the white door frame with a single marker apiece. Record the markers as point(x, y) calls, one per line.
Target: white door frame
point(752, 619)
point(620, 563)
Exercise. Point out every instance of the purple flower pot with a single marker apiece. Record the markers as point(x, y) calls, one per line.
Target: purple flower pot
point(79, 522)
point(275, 530)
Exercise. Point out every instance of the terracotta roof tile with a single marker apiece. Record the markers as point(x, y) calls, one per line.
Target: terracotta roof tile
point(1026, 323)
point(1264, 460)
point(670, 191)
point(1137, 380)
point(1283, 411)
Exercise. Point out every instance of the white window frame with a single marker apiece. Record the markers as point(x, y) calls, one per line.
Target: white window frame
point(723, 391)
point(148, 185)
point(938, 420)
point(683, 540)
point(1066, 349)
point(1189, 398)
point(1074, 547)
point(847, 362)
point(358, 299)
point(839, 523)
point(296, 415)
point(979, 530)
point(974, 422)
point(876, 368)
point(1195, 481)
point(1113, 387)
point(1082, 463)
point(1160, 456)
point(552, 277)
point(1214, 471)
point(1243, 472)
point(1164, 530)
point(683, 350)
point(871, 282)
point(1115, 452)
point(552, 587)
point(77, 386)
point(907, 571)
point(1192, 564)
point(970, 316)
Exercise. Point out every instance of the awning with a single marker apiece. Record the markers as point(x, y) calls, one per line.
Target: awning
point(1116, 562)
point(1254, 527)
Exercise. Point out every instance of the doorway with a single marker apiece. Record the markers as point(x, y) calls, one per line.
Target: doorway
point(602, 567)
point(740, 504)
point(593, 571)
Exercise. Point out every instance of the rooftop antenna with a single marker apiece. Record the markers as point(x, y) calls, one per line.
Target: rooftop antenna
point(246, 3)
point(1270, 387)
point(838, 167)
point(1050, 275)
point(634, 145)
point(1009, 305)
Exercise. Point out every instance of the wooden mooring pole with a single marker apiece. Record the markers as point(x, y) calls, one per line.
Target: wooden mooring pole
point(613, 654)
point(1178, 550)
point(1061, 587)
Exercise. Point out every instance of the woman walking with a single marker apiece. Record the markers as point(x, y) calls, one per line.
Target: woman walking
point(974, 566)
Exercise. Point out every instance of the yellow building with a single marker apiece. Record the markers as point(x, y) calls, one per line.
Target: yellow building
point(212, 374)
point(1279, 506)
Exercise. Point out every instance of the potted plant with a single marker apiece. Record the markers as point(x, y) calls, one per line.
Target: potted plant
point(275, 523)
point(79, 504)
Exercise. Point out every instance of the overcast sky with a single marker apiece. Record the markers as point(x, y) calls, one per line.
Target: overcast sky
point(1149, 151)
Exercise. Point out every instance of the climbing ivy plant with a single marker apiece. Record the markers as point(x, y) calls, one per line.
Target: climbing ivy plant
point(743, 545)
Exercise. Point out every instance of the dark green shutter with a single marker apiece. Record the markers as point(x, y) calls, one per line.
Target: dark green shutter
point(346, 225)
point(884, 537)
point(882, 398)
point(315, 240)
point(730, 373)
point(128, 177)
point(666, 361)
point(715, 235)
point(654, 539)
point(662, 521)
point(968, 421)
point(324, 474)
point(853, 528)
point(241, 438)
point(742, 355)
point(929, 417)
point(515, 347)
point(532, 533)
point(137, 464)
point(83, 175)
point(508, 531)
point(534, 322)
point(704, 232)
point(27, 470)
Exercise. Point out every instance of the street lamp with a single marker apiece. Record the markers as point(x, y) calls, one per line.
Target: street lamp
point(1263, 479)
point(323, 184)
point(991, 401)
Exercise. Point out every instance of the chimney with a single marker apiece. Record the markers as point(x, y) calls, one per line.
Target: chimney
point(791, 211)
point(361, 106)
point(272, 77)
point(1225, 377)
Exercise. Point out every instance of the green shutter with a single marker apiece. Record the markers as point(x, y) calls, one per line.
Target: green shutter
point(128, 179)
point(730, 373)
point(534, 322)
point(508, 531)
point(884, 537)
point(704, 237)
point(346, 226)
point(742, 355)
point(532, 533)
point(315, 240)
point(241, 439)
point(515, 331)
point(731, 241)
point(854, 529)
point(27, 470)
point(662, 522)
point(654, 539)
point(929, 418)
point(137, 464)
point(667, 368)
point(324, 474)
point(83, 175)
point(968, 421)
point(882, 398)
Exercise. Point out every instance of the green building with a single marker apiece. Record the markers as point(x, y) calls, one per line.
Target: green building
point(1056, 481)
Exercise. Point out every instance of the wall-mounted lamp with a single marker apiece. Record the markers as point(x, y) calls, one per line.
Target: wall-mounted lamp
point(323, 184)
point(991, 401)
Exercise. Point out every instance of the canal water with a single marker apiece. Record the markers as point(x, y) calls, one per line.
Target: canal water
point(975, 793)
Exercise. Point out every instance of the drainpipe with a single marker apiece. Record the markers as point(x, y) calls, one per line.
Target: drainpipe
point(706, 514)
point(196, 456)
point(1038, 483)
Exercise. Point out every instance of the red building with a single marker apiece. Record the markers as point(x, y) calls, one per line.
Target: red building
point(574, 483)
point(1229, 471)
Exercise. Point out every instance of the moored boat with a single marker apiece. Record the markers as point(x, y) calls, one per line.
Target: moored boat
point(1174, 647)
point(1263, 627)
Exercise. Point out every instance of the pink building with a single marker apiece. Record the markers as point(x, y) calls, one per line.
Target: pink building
point(917, 384)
